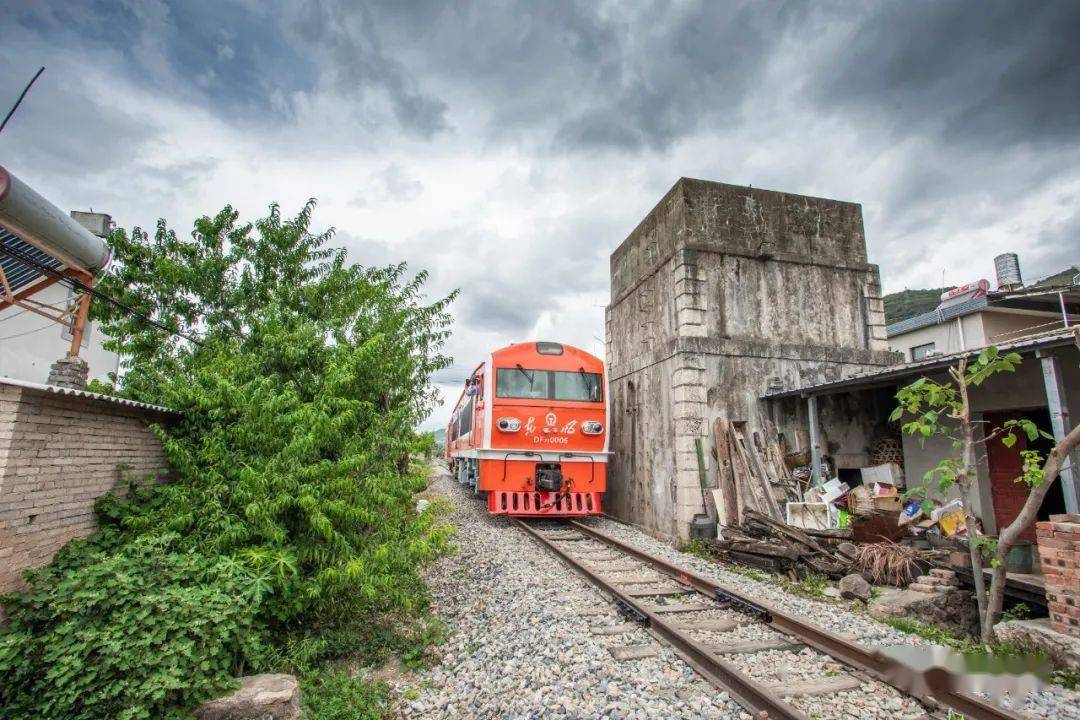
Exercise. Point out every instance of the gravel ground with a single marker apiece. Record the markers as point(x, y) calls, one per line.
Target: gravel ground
point(1052, 703)
point(521, 648)
point(522, 643)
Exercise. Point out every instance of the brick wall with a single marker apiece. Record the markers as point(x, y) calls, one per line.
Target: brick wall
point(1059, 550)
point(58, 453)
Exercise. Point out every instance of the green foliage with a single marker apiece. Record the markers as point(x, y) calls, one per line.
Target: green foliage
point(909, 303)
point(1067, 677)
point(1019, 611)
point(334, 694)
point(290, 460)
point(813, 585)
point(936, 409)
point(697, 547)
point(129, 634)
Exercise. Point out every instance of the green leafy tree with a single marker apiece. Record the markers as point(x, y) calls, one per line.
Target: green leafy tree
point(943, 409)
point(299, 379)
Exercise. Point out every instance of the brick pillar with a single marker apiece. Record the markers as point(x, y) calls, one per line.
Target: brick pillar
point(1059, 550)
point(70, 372)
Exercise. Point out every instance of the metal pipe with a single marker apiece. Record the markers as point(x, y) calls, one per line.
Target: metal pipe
point(1057, 403)
point(815, 439)
point(37, 221)
point(1064, 312)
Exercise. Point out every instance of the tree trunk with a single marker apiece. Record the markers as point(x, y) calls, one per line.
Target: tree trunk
point(968, 481)
point(1007, 538)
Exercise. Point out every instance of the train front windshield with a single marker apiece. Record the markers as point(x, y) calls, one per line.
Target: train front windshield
point(565, 385)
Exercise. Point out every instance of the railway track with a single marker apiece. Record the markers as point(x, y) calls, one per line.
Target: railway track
point(718, 632)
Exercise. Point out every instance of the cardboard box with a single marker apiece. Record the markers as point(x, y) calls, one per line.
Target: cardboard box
point(887, 474)
point(892, 503)
point(953, 523)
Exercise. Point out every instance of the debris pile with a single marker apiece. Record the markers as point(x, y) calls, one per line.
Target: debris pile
point(769, 544)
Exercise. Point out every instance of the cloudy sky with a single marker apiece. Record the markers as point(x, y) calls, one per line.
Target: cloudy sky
point(509, 147)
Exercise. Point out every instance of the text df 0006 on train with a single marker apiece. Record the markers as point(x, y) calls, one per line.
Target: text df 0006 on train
point(530, 431)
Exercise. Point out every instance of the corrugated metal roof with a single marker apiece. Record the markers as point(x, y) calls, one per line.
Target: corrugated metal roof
point(938, 316)
point(71, 392)
point(1054, 338)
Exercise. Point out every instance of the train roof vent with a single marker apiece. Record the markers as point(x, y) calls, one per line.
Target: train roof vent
point(549, 348)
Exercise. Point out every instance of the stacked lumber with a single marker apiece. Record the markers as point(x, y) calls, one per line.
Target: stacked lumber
point(753, 474)
point(769, 544)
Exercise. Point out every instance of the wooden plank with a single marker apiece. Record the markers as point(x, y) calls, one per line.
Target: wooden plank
point(725, 495)
point(824, 686)
point(614, 629)
point(759, 485)
point(747, 647)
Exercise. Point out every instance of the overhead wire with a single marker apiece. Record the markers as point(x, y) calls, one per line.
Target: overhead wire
point(28, 332)
point(76, 284)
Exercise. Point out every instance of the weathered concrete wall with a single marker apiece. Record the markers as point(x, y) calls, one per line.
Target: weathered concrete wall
point(720, 294)
point(58, 454)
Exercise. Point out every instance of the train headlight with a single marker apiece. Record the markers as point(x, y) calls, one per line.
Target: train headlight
point(509, 424)
point(592, 427)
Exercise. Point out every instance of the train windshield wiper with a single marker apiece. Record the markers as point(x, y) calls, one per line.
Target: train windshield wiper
point(527, 375)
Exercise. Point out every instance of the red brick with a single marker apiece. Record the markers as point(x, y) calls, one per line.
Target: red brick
point(1041, 533)
point(1066, 517)
point(1044, 525)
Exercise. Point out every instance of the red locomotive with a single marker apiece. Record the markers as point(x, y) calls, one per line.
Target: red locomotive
point(530, 431)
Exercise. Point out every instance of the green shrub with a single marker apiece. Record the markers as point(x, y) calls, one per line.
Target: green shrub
point(127, 635)
point(291, 502)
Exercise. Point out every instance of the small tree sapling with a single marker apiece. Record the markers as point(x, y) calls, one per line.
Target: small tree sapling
point(943, 409)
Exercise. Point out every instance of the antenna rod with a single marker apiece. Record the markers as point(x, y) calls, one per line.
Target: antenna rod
point(21, 96)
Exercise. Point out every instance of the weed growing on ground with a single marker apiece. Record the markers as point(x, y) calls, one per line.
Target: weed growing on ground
point(332, 693)
point(812, 586)
point(1067, 678)
point(697, 547)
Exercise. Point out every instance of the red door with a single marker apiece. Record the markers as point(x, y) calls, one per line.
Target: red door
point(1006, 466)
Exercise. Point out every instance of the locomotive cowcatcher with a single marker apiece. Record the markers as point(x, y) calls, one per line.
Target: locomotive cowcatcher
point(530, 431)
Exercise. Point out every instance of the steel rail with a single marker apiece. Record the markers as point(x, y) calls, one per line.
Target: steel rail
point(933, 687)
point(755, 697)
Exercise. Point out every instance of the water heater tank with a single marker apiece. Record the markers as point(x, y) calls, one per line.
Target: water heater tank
point(1007, 266)
point(37, 221)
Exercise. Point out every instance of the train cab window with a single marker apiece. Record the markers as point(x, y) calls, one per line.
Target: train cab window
point(466, 419)
point(579, 386)
point(576, 386)
point(522, 383)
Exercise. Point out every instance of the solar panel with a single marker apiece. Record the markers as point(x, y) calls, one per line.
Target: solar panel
point(18, 273)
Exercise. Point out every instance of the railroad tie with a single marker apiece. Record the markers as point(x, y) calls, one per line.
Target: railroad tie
point(715, 624)
point(614, 629)
point(836, 684)
point(753, 646)
point(679, 607)
point(668, 591)
point(634, 652)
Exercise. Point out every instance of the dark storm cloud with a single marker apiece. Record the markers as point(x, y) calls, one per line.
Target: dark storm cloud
point(222, 55)
point(62, 128)
point(986, 73)
point(586, 75)
point(348, 34)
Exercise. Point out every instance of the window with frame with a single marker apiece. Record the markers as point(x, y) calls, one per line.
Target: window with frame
point(565, 385)
point(467, 416)
point(921, 352)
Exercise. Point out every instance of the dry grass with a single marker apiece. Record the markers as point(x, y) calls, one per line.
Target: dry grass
point(887, 563)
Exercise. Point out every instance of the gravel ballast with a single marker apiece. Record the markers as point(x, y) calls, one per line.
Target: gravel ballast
point(529, 638)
